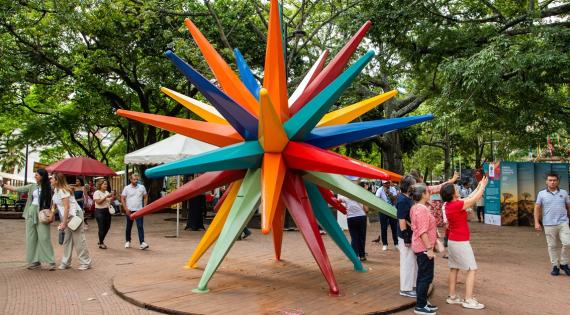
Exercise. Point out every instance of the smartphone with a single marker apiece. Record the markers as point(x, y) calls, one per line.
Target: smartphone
point(61, 237)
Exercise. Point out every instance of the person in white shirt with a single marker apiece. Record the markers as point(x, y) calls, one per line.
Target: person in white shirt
point(356, 217)
point(102, 198)
point(134, 198)
point(389, 194)
point(68, 208)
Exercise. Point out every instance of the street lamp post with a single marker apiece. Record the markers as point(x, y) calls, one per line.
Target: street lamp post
point(127, 138)
point(26, 166)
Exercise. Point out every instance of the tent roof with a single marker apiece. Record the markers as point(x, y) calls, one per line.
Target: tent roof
point(168, 150)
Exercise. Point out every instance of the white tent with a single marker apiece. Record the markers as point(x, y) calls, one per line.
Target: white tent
point(168, 150)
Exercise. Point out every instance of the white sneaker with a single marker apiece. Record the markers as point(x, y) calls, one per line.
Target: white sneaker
point(63, 267)
point(127, 244)
point(84, 267)
point(473, 304)
point(384, 247)
point(144, 245)
point(454, 300)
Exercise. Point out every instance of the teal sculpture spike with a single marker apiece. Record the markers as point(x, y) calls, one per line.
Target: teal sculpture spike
point(243, 208)
point(301, 124)
point(246, 75)
point(345, 187)
point(329, 223)
point(238, 156)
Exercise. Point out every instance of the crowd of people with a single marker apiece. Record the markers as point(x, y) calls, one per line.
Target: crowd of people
point(52, 197)
point(420, 211)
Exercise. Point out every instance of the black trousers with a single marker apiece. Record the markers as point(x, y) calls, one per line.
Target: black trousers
point(386, 221)
point(425, 278)
point(357, 230)
point(481, 213)
point(103, 218)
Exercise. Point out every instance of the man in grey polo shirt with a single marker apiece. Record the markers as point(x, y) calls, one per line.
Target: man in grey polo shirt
point(555, 206)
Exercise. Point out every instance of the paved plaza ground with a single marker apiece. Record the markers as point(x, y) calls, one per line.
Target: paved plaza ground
point(513, 279)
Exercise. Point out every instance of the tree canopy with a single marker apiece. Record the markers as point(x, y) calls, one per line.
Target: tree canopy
point(482, 67)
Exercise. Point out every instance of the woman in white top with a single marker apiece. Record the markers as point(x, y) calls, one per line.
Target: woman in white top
point(68, 208)
point(356, 217)
point(102, 198)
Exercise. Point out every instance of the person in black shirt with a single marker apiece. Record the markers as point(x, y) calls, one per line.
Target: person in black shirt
point(408, 264)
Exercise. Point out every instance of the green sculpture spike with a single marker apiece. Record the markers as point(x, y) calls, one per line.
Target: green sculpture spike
point(242, 210)
point(301, 124)
point(328, 222)
point(345, 187)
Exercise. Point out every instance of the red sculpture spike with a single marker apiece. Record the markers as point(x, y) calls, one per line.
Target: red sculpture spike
point(297, 201)
point(331, 200)
point(222, 198)
point(306, 157)
point(199, 185)
point(332, 70)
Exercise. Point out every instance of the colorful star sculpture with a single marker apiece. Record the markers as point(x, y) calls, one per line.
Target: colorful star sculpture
point(273, 148)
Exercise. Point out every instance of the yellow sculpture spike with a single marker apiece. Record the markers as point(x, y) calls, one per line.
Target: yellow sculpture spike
point(207, 112)
point(227, 78)
point(272, 136)
point(351, 112)
point(274, 79)
point(215, 228)
point(272, 176)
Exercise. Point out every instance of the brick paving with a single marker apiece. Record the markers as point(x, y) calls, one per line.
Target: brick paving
point(513, 278)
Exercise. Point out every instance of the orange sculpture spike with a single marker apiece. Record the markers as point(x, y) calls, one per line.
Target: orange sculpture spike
point(228, 79)
point(272, 175)
point(207, 112)
point(272, 136)
point(350, 113)
point(216, 134)
point(277, 228)
point(275, 80)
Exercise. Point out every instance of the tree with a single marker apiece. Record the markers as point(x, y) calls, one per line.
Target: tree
point(504, 61)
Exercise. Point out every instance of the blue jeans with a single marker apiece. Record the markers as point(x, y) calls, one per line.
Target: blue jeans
point(425, 277)
point(140, 228)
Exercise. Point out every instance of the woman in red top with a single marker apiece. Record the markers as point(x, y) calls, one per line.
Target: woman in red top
point(459, 248)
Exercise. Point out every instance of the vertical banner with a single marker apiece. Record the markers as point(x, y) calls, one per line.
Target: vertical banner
point(562, 170)
point(509, 193)
point(493, 194)
point(540, 171)
point(526, 193)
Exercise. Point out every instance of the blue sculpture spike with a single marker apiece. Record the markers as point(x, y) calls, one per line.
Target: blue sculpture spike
point(333, 136)
point(238, 156)
point(240, 118)
point(329, 223)
point(246, 75)
point(306, 118)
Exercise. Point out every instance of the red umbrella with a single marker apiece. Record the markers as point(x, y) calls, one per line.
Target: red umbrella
point(81, 166)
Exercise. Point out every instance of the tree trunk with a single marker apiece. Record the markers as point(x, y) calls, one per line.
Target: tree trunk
point(392, 153)
point(446, 162)
point(391, 146)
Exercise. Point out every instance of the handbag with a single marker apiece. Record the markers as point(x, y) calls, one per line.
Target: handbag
point(74, 223)
point(111, 209)
point(44, 216)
